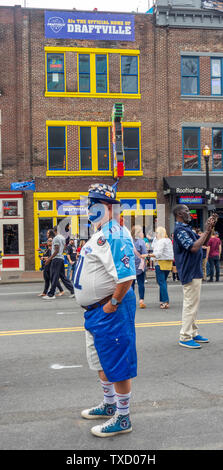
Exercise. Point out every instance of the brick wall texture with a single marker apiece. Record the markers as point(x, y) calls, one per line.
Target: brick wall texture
point(161, 110)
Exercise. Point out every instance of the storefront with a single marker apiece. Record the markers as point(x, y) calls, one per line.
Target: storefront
point(190, 190)
point(70, 209)
point(12, 230)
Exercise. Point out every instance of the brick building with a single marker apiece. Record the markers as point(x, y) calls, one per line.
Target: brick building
point(57, 95)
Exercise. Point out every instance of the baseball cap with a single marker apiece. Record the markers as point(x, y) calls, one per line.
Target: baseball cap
point(103, 192)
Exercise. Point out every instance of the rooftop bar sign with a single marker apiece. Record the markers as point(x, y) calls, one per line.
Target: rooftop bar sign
point(89, 25)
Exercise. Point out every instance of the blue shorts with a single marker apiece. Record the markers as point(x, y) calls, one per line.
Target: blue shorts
point(115, 338)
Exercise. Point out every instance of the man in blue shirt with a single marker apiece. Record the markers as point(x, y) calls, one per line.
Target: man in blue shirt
point(103, 279)
point(187, 247)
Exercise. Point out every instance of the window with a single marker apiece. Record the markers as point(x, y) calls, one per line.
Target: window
point(191, 149)
point(129, 74)
point(10, 208)
point(131, 148)
point(101, 73)
point(216, 76)
point(85, 148)
point(90, 75)
point(56, 148)
point(45, 205)
point(103, 148)
point(55, 72)
point(217, 150)
point(84, 73)
point(190, 76)
point(44, 225)
point(11, 239)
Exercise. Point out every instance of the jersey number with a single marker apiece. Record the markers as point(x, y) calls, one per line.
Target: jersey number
point(78, 272)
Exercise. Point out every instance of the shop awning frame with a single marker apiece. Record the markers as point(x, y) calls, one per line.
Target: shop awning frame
point(194, 184)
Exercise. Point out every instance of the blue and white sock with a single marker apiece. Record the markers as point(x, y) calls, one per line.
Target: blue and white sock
point(122, 401)
point(109, 391)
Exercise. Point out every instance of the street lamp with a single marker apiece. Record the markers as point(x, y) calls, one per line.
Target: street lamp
point(206, 151)
point(206, 154)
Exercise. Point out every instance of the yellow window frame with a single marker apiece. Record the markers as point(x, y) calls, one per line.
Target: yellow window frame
point(58, 93)
point(93, 91)
point(94, 149)
point(47, 146)
point(126, 54)
point(92, 52)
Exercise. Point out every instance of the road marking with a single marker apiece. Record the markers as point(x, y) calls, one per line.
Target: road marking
point(64, 313)
point(19, 293)
point(59, 366)
point(78, 329)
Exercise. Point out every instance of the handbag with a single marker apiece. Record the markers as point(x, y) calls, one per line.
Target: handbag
point(165, 264)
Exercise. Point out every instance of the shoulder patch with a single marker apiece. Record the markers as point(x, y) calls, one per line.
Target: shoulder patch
point(125, 261)
point(101, 241)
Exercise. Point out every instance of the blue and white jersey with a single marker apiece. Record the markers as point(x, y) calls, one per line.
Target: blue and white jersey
point(105, 260)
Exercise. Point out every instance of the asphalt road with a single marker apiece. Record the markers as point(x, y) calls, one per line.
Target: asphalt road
point(45, 382)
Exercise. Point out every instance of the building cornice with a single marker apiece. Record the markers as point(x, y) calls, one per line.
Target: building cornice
point(188, 17)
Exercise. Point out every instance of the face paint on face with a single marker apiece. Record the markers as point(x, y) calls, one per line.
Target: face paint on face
point(96, 210)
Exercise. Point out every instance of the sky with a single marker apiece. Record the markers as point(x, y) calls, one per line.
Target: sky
point(110, 5)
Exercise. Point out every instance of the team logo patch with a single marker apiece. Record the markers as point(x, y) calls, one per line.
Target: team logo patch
point(56, 23)
point(87, 250)
point(124, 423)
point(125, 261)
point(101, 241)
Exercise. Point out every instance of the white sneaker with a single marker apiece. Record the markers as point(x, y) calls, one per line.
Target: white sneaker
point(46, 297)
point(119, 424)
point(72, 296)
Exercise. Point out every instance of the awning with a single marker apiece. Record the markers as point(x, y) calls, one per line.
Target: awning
point(190, 184)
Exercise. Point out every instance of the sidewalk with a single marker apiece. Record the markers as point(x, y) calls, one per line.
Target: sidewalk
point(7, 277)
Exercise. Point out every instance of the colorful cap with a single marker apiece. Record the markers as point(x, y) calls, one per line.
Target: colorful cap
point(104, 192)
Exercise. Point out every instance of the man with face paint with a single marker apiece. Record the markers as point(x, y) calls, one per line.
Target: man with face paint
point(103, 279)
point(187, 247)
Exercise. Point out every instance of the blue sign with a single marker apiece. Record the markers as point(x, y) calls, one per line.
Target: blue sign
point(89, 25)
point(190, 200)
point(76, 207)
point(23, 186)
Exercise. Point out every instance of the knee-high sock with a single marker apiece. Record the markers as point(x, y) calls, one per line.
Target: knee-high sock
point(109, 391)
point(122, 401)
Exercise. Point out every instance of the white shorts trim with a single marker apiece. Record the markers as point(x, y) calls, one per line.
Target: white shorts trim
point(92, 355)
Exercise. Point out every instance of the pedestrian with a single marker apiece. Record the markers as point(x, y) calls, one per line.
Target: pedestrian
point(57, 266)
point(141, 254)
point(163, 254)
point(103, 279)
point(188, 257)
point(149, 247)
point(214, 255)
point(71, 258)
point(46, 267)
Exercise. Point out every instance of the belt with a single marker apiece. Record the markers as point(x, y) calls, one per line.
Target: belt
point(97, 304)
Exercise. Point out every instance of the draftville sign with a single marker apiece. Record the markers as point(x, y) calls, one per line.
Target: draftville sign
point(87, 25)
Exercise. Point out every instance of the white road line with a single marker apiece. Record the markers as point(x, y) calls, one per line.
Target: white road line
point(18, 293)
point(60, 366)
point(64, 313)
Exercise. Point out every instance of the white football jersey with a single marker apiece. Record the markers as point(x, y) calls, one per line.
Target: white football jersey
point(105, 260)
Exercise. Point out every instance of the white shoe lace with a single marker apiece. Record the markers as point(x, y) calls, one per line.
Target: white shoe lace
point(110, 422)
